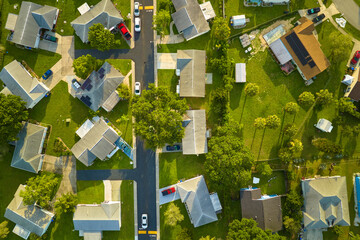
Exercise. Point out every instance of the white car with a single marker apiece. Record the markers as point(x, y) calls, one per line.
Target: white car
point(137, 24)
point(137, 89)
point(136, 9)
point(144, 221)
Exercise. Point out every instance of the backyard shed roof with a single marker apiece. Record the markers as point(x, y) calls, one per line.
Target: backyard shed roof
point(11, 21)
point(240, 72)
point(324, 125)
point(195, 141)
point(280, 52)
point(207, 10)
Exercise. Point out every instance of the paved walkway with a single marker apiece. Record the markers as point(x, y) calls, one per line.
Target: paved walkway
point(170, 39)
point(112, 190)
point(350, 10)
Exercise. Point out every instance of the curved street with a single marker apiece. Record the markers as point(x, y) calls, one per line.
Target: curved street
point(350, 10)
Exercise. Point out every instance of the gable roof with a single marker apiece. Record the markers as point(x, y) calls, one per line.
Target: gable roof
point(265, 210)
point(102, 93)
point(195, 140)
point(97, 217)
point(305, 49)
point(98, 142)
point(104, 12)
point(27, 155)
point(189, 18)
point(195, 194)
point(32, 17)
point(20, 83)
point(29, 217)
point(325, 202)
point(192, 72)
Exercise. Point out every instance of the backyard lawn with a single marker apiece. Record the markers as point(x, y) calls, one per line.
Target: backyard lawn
point(90, 192)
point(274, 184)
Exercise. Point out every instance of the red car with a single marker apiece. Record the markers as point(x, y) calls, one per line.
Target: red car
point(124, 31)
point(168, 191)
point(356, 58)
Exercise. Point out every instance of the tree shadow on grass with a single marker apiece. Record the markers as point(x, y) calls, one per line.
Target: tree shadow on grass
point(252, 142)
point(262, 139)
point(243, 108)
point(281, 134)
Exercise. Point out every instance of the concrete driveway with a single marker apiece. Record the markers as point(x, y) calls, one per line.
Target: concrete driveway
point(166, 60)
point(168, 198)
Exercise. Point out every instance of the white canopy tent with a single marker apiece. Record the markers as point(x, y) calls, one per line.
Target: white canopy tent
point(347, 79)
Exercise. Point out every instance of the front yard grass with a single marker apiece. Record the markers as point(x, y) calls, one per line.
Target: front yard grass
point(90, 192)
point(350, 29)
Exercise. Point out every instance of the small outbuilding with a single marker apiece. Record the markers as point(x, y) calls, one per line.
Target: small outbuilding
point(324, 125)
point(240, 72)
point(238, 21)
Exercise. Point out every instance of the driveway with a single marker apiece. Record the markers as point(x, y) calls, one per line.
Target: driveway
point(166, 60)
point(113, 174)
point(350, 10)
point(168, 198)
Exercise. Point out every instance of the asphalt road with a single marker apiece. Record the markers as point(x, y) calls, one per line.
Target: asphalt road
point(145, 172)
point(350, 10)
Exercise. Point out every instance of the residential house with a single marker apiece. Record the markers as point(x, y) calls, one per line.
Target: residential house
point(28, 148)
point(264, 209)
point(98, 140)
point(195, 138)
point(92, 219)
point(305, 50)
point(325, 202)
point(19, 82)
point(104, 12)
point(28, 218)
point(353, 90)
point(99, 89)
point(33, 19)
point(201, 206)
point(191, 65)
point(190, 19)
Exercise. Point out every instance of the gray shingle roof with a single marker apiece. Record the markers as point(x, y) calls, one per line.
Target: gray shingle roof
point(98, 142)
point(325, 202)
point(192, 72)
point(19, 82)
point(27, 155)
point(104, 12)
point(195, 141)
point(189, 18)
point(29, 217)
point(195, 194)
point(45, 16)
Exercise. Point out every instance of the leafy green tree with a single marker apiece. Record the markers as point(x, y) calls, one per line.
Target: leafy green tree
point(101, 38)
point(40, 189)
point(291, 108)
point(228, 162)
point(260, 123)
point(251, 89)
point(122, 119)
point(12, 113)
point(221, 29)
point(264, 169)
point(228, 82)
point(285, 154)
point(158, 114)
point(33, 236)
point(353, 236)
point(306, 99)
point(66, 203)
point(327, 146)
point(4, 230)
point(222, 64)
point(339, 47)
point(290, 130)
point(247, 229)
point(173, 215)
point(346, 106)
point(324, 97)
point(184, 234)
point(295, 146)
point(164, 4)
point(84, 65)
point(220, 104)
point(160, 21)
point(272, 122)
point(207, 238)
point(124, 91)
point(292, 205)
point(292, 226)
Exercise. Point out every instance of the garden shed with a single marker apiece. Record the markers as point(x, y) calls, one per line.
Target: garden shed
point(238, 21)
point(324, 125)
point(240, 72)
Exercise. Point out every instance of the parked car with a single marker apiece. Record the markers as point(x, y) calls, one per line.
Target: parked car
point(76, 84)
point(168, 191)
point(47, 74)
point(137, 24)
point(173, 148)
point(50, 38)
point(136, 9)
point(313, 10)
point(356, 58)
point(124, 31)
point(137, 89)
point(318, 18)
point(144, 221)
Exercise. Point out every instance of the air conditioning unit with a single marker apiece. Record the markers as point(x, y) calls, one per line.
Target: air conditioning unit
point(177, 72)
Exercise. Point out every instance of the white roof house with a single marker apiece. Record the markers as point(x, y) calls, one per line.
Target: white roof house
point(280, 51)
point(240, 72)
point(324, 125)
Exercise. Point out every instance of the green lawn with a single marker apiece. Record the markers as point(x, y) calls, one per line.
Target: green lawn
point(122, 45)
point(90, 192)
point(350, 29)
point(274, 186)
point(118, 161)
point(123, 65)
point(168, 79)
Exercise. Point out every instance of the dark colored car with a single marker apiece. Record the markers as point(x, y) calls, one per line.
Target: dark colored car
point(124, 31)
point(168, 191)
point(313, 10)
point(318, 18)
point(356, 58)
point(47, 74)
point(50, 38)
point(172, 148)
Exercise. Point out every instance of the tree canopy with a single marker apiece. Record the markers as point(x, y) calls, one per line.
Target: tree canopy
point(260, 123)
point(173, 215)
point(66, 203)
point(84, 65)
point(101, 38)
point(228, 162)
point(306, 98)
point(272, 122)
point(339, 46)
point(324, 97)
point(124, 91)
point(264, 169)
point(4, 230)
point(158, 114)
point(221, 29)
point(291, 107)
point(12, 113)
point(160, 21)
point(251, 89)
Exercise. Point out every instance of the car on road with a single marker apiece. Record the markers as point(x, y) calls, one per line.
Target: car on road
point(356, 58)
point(318, 18)
point(144, 221)
point(124, 31)
point(137, 89)
point(47, 74)
point(168, 191)
point(137, 24)
point(173, 148)
point(313, 10)
point(136, 9)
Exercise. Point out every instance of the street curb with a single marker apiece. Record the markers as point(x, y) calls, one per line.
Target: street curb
point(135, 210)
